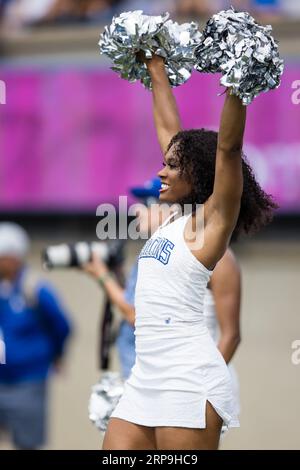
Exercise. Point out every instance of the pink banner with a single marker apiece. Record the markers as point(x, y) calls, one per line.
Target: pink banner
point(70, 140)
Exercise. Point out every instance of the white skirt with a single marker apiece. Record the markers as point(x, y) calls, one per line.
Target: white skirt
point(173, 378)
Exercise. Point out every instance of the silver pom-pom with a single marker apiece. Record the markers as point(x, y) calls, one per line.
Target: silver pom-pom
point(132, 32)
point(243, 51)
point(104, 398)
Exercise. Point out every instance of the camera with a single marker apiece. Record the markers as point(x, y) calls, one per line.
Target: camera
point(68, 255)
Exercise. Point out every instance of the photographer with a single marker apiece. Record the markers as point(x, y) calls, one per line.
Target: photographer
point(122, 298)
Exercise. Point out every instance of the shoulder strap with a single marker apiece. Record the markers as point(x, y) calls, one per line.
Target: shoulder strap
point(168, 219)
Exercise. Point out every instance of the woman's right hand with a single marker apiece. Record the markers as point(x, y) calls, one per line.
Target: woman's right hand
point(156, 63)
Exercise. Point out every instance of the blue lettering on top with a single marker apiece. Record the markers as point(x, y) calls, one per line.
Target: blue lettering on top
point(158, 248)
point(166, 252)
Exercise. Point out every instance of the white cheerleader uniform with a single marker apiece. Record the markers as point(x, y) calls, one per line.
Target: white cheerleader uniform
point(178, 367)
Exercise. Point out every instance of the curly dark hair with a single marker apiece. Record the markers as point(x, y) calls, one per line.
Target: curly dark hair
point(195, 150)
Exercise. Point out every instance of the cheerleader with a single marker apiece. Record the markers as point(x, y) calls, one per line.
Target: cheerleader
point(179, 393)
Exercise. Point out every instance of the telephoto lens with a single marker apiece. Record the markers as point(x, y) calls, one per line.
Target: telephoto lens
point(69, 255)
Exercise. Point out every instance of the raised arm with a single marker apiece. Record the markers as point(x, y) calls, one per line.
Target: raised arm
point(166, 116)
point(228, 184)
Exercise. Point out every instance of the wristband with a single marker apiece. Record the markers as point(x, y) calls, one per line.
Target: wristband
point(103, 278)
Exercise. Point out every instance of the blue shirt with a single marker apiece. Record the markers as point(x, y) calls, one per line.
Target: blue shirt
point(126, 338)
point(34, 333)
point(131, 284)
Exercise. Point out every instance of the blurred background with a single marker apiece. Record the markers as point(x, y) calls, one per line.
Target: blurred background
point(73, 135)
